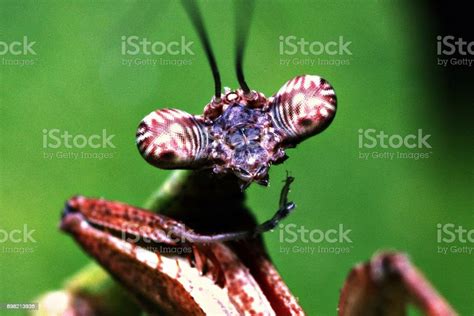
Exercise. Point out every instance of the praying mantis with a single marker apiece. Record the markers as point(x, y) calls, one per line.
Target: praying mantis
point(195, 248)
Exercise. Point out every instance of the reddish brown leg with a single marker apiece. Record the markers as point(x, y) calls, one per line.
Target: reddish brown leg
point(164, 284)
point(385, 286)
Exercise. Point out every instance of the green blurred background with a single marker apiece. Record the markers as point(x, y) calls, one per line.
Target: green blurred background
point(78, 83)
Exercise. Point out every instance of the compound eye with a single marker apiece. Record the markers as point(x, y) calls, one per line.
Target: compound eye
point(173, 139)
point(303, 107)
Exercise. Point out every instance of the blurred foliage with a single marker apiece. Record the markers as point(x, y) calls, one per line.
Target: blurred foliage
point(78, 83)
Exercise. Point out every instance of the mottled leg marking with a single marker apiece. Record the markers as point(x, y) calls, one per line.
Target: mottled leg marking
point(284, 210)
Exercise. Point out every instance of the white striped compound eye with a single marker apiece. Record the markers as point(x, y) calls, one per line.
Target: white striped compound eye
point(171, 139)
point(303, 107)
